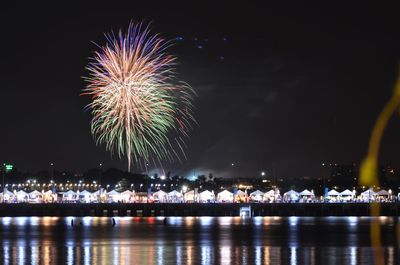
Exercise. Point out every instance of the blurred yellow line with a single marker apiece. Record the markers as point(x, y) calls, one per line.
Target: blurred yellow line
point(369, 168)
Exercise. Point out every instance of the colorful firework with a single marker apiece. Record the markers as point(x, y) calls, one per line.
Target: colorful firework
point(139, 108)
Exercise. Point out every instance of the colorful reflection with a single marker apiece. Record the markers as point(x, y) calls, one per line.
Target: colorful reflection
point(191, 241)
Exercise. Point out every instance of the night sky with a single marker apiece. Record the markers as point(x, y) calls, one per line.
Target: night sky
point(285, 87)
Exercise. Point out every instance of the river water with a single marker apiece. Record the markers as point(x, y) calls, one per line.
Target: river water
point(194, 240)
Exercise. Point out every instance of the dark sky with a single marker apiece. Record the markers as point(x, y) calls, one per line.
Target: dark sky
point(285, 87)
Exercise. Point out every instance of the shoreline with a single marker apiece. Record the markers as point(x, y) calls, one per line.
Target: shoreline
point(195, 209)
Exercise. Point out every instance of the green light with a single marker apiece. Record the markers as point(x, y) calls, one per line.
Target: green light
point(9, 167)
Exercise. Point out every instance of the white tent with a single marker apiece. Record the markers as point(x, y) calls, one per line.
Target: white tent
point(290, 196)
point(368, 195)
point(225, 196)
point(206, 196)
point(269, 196)
point(160, 196)
point(332, 193)
point(240, 193)
point(98, 196)
point(85, 196)
point(114, 196)
point(127, 196)
point(306, 193)
point(49, 196)
point(70, 196)
point(175, 196)
point(189, 196)
point(22, 196)
point(8, 196)
point(240, 196)
point(257, 196)
point(35, 196)
point(96, 193)
point(347, 195)
point(383, 193)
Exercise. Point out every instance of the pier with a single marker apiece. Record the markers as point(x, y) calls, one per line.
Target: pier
point(195, 209)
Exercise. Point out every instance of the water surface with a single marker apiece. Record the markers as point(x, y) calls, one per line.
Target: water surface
point(194, 240)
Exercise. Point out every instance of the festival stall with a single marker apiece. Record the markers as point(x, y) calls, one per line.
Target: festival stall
point(127, 196)
point(333, 196)
point(8, 196)
point(291, 196)
point(98, 196)
point(49, 196)
point(383, 195)
point(141, 197)
point(271, 195)
point(22, 196)
point(35, 197)
point(225, 196)
point(113, 196)
point(306, 196)
point(85, 196)
point(368, 195)
point(347, 195)
point(256, 196)
point(241, 196)
point(70, 196)
point(160, 196)
point(206, 196)
point(175, 196)
point(189, 196)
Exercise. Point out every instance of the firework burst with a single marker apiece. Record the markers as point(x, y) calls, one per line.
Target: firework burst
point(139, 108)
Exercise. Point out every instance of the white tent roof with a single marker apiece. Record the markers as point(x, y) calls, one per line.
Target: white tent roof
point(21, 192)
point(333, 193)
point(35, 192)
point(174, 193)
point(84, 193)
point(346, 193)
point(70, 192)
point(97, 192)
point(225, 192)
point(190, 192)
point(240, 193)
point(383, 193)
point(127, 192)
point(306, 193)
point(291, 192)
point(368, 192)
point(270, 193)
point(257, 192)
point(160, 193)
point(113, 193)
point(206, 193)
point(8, 192)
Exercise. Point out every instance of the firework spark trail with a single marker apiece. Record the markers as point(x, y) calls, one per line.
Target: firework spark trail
point(137, 104)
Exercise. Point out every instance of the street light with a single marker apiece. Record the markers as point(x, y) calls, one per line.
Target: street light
point(52, 177)
point(323, 180)
point(263, 173)
point(100, 171)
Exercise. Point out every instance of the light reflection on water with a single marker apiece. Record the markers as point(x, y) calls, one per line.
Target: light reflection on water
point(193, 240)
